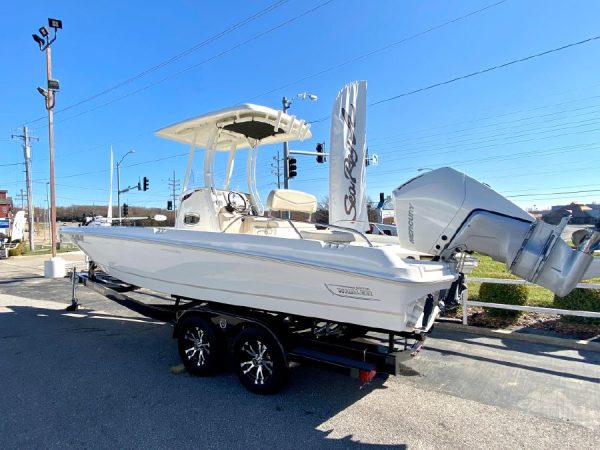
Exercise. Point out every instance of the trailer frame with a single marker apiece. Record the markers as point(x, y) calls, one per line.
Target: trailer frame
point(345, 348)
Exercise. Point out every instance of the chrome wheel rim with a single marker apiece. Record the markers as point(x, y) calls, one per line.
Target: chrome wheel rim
point(197, 347)
point(255, 362)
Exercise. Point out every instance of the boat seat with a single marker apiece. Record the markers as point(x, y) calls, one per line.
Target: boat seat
point(328, 235)
point(291, 200)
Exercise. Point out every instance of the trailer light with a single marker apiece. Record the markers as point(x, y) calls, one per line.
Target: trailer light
point(366, 376)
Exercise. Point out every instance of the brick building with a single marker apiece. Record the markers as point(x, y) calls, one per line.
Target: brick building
point(6, 205)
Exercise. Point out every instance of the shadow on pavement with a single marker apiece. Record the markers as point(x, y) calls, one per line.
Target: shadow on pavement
point(546, 350)
point(87, 378)
point(20, 279)
point(524, 348)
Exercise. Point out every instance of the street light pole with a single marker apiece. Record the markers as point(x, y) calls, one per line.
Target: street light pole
point(119, 189)
point(50, 107)
point(45, 41)
point(119, 183)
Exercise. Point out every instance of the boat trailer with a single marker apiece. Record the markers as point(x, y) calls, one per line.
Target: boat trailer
point(259, 345)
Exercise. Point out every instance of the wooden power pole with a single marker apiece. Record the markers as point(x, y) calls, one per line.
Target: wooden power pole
point(27, 155)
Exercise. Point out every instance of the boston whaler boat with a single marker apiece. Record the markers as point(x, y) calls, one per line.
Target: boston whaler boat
point(281, 289)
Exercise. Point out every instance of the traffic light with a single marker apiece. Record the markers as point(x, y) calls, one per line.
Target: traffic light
point(169, 205)
point(125, 209)
point(145, 183)
point(292, 168)
point(320, 149)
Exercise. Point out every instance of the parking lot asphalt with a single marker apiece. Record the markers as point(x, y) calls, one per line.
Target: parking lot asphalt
point(100, 377)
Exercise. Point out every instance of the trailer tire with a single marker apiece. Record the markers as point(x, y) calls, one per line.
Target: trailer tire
point(260, 361)
point(199, 346)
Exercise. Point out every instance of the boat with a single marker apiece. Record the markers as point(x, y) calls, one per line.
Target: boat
point(224, 249)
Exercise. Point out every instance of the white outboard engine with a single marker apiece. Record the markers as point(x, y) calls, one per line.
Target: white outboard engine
point(444, 211)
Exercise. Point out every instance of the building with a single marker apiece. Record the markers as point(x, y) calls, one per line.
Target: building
point(581, 214)
point(6, 205)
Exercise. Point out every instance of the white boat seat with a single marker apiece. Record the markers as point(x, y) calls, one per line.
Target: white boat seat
point(328, 235)
point(291, 200)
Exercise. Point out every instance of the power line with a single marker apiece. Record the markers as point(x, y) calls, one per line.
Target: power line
point(473, 74)
point(559, 187)
point(494, 143)
point(554, 193)
point(380, 49)
point(482, 119)
point(489, 69)
point(485, 160)
point(501, 126)
point(450, 148)
point(179, 155)
point(212, 58)
point(172, 59)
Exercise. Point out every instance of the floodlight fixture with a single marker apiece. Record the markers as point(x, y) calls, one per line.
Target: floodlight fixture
point(44, 31)
point(42, 91)
point(55, 23)
point(38, 40)
point(306, 95)
point(53, 85)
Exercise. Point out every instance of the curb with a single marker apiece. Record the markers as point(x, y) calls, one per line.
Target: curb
point(533, 338)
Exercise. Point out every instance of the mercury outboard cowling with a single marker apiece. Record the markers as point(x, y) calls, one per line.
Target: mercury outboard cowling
point(445, 211)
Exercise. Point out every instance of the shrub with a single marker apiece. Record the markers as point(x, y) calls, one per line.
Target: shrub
point(579, 300)
point(508, 294)
point(18, 250)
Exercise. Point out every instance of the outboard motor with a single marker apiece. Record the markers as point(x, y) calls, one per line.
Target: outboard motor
point(444, 211)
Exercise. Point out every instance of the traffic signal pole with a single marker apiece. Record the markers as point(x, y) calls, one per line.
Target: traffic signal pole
point(286, 150)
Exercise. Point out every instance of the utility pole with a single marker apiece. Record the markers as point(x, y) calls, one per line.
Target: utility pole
point(277, 168)
point(27, 155)
point(48, 208)
point(174, 185)
point(22, 200)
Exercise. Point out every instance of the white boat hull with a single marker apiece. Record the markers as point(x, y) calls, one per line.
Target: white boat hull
point(366, 286)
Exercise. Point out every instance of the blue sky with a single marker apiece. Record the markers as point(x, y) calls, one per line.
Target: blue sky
point(531, 130)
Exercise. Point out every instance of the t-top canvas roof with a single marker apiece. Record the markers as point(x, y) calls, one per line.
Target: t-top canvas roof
point(234, 127)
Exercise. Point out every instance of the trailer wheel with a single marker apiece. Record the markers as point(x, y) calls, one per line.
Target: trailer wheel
point(259, 360)
point(199, 346)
